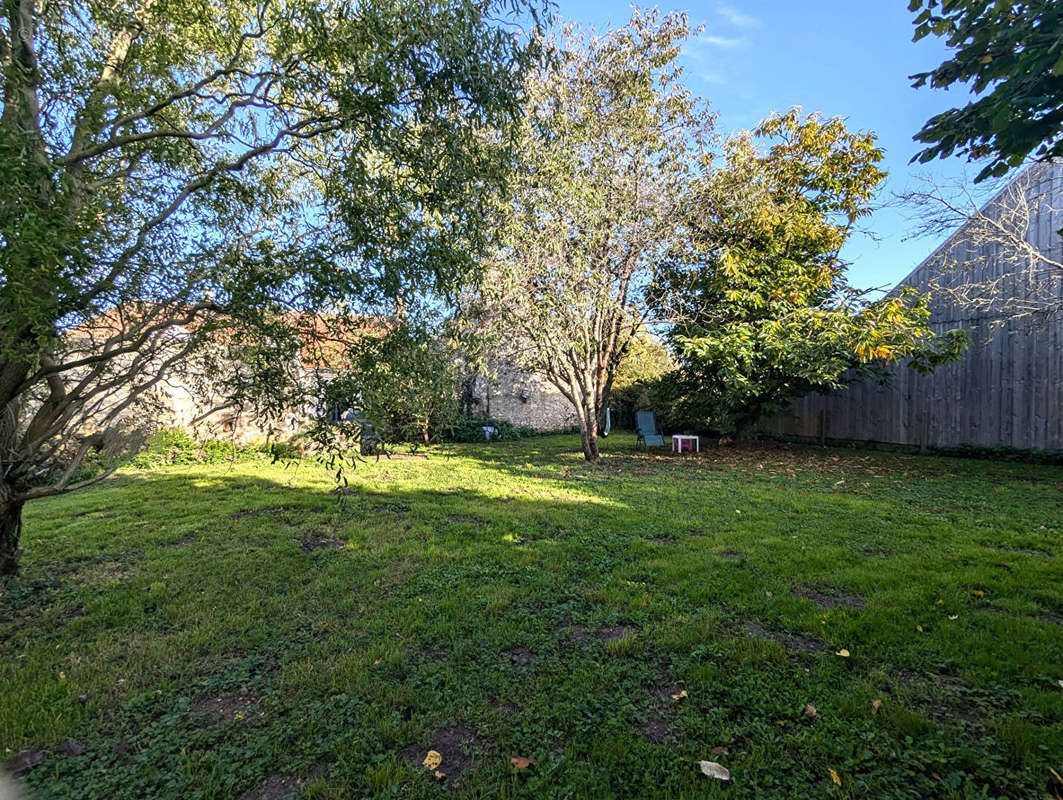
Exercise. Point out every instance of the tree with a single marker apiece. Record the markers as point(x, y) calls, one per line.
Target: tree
point(403, 381)
point(765, 314)
point(1011, 53)
point(607, 148)
point(179, 176)
point(1004, 227)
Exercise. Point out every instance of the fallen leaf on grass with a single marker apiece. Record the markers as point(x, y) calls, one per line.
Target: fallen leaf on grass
point(438, 775)
point(919, 628)
point(954, 616)
point(714, 770)
point(843, 653)
point(433, 759)
point(520, 762)
point(810, 711)
point(875, 706)
point(834, 776)
point(978, 592)
point(767, 594)
point(719, 751)
point(679, 695)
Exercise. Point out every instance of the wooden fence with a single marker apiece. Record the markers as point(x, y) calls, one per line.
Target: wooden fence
point(1008, 389)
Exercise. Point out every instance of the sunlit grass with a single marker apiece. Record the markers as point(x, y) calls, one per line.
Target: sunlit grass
point(519, 600)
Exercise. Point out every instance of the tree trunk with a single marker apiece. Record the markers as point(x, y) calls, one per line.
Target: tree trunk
point(589, 437)
point(10, 532)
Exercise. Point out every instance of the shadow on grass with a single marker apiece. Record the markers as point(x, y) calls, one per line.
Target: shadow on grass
point(208, 631)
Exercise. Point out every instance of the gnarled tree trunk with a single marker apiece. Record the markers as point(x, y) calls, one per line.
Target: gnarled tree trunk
point(10, 531)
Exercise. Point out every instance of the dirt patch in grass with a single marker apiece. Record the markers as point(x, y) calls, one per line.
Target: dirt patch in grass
point(103, 572)
point(267, 511)
point(659, 730)
point(792, 641)
point(831, 598)
point(665, 692)
point(465, 519)
point(504, 706)
point(941, 697)
point(573, 632)
point(391, 508)
point(614, 633)
point(1049, 617)
point(520, 656)
point(730, 555)
point(184, 541)
point(432, 654)
point(237, 707)
point(1026, 551)
point(666, 541)
point(321, 542)
point(871, 552)
point(275, 787)
point(459, 746)
point(24, 762)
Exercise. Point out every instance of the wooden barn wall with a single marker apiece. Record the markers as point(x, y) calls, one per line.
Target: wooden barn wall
point(1007, 391)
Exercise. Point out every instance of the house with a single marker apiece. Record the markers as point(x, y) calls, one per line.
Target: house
point(999, 276)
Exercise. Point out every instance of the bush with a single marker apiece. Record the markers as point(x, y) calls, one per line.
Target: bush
point(470, 429)
point(174, 446)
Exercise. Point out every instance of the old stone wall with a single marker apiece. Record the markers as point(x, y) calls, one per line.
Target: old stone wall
point(522, 399)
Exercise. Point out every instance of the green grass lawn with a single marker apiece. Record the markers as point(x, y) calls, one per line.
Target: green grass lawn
point(240, 631)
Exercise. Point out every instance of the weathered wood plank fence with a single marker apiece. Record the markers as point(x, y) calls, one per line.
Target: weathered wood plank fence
point(1008, 389)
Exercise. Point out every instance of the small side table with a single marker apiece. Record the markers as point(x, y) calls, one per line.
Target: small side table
point(690, 443)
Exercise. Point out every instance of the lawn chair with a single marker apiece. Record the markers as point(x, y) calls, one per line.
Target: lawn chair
point(647, 430)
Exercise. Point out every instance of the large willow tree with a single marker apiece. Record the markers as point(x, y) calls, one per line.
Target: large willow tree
point(182, 180)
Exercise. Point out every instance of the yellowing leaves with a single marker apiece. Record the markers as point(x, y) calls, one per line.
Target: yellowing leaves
point(680, 695)
point(433, 759)
point(843, 653)
point(835, 777)
point(521, 763)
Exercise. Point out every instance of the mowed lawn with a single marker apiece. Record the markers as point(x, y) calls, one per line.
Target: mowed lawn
point(242, 631)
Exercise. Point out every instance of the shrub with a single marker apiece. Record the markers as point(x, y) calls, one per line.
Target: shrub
point(470, 429)
point(174, 446)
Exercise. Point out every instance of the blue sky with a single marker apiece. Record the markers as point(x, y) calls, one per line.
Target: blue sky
point(848, 58)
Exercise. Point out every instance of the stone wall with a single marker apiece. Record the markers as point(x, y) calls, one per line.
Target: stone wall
point(522, 399)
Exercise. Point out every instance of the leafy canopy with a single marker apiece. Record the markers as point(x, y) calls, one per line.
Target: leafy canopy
point(765, 313)
point(1010, 53)
point(608, 144)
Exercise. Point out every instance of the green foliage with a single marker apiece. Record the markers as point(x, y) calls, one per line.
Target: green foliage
point(146, 600)
point(176, 446)
point(764, 314)
point(637, 378)
point(404, 381)
point(470, 429)
point(1011, 54)
point(609, 140)
point(186, 182)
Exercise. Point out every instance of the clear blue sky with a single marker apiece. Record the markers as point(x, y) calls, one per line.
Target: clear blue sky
point(848, 58)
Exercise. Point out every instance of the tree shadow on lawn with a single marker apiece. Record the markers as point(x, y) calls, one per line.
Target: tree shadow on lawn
point(328, 643)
